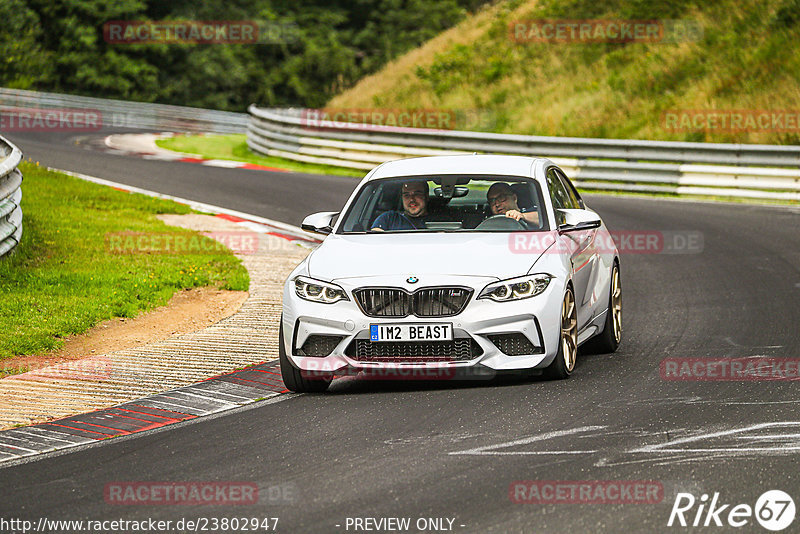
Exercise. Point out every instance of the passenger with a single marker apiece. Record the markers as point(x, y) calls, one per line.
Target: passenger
point(415, 209)
point(503, 201)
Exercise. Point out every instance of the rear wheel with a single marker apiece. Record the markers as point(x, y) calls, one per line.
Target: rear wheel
point(608, 340)
point(564, 362)
point(293, 378)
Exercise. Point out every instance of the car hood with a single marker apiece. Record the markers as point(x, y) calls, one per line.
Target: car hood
point(465, 254)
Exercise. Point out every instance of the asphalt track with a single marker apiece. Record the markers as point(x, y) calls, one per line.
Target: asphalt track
point(453, 450)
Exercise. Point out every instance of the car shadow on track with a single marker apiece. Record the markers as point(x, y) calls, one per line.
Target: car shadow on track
point(400, 381)
point(358, 385)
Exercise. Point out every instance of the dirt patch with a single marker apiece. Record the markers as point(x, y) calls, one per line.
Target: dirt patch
point(188, 311)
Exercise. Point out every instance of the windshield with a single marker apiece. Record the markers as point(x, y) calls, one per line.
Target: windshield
point(447, 204)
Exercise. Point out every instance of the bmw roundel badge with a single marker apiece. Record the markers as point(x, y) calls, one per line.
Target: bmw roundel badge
point(412, 279)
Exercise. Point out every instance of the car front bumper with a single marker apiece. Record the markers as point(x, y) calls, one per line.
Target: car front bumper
point(537, 318)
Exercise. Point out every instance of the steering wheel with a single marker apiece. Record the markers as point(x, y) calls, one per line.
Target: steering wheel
point(501, 222)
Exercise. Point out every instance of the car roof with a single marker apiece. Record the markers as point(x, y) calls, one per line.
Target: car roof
point(467, 164)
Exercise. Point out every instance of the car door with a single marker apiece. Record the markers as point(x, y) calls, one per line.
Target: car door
point(598, 284)
point(579, 244)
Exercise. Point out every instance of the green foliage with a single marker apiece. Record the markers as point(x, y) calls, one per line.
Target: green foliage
point(322, 48)
point(24, 63)
point(449, 70)
point(725, 56)
point(787, 15)
point(395, 26)
point(622, 9)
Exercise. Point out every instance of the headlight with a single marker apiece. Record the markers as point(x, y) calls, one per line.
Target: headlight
point(516, 288)
point(318, 291)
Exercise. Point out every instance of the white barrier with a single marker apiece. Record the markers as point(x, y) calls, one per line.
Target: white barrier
point(749, 171)
point(10, 197)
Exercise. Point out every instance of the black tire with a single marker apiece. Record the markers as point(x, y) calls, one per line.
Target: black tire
point(609, 339)
point(561, 367)
point(293, 378)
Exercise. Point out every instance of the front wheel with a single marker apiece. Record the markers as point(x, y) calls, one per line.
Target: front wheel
point(564, 362)
point(293, 377)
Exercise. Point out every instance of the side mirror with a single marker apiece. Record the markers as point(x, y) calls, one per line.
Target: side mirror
point(577, 219)
point(320, 223)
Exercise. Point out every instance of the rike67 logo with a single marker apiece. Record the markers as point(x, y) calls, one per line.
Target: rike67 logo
point(774, 510)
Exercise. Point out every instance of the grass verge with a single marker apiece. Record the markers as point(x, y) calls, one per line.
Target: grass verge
point(234, 147)
point(63, 278)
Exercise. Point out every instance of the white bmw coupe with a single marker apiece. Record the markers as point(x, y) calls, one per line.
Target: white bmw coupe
point(452, 265)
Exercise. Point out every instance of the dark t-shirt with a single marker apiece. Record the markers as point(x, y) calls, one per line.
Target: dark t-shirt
point(398, 220)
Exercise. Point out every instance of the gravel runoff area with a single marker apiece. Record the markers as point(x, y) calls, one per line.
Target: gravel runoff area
point(103, 380)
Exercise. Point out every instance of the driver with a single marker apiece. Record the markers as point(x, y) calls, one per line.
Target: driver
point(415, 209)
point(503, 201)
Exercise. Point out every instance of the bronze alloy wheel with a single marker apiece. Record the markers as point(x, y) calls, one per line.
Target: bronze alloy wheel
point(616, 305)
point(569, 331)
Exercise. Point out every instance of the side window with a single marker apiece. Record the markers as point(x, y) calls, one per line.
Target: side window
point(558, 194)
point(571, 191)
point(359, 214)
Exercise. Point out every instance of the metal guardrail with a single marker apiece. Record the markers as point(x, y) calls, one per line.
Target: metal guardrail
point(20, 109)
point(10, 197)
point(123, 114)
point(736, 170)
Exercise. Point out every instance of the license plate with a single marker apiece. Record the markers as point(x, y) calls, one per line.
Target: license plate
point(411, 332)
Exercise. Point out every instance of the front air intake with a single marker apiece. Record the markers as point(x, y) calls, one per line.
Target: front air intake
point(516, 344)
point(319, 346)
point(457, 350)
